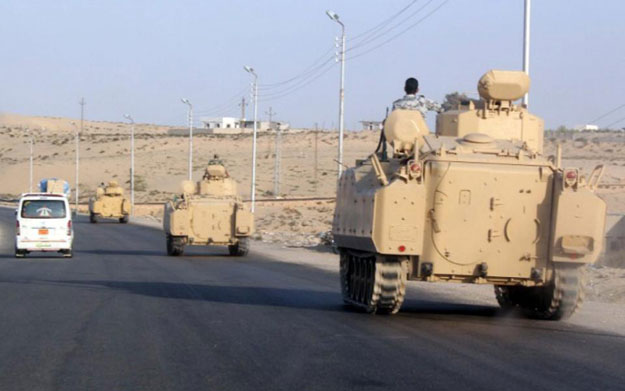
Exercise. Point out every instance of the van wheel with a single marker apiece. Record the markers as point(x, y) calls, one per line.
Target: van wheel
point(92, 218)
point(175, 246)
point(20, 253)
point(123, 219)
point(241, 248)
point(68, 253)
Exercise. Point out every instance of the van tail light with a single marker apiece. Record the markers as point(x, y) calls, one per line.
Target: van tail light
point(17, 228)
point(69, 228)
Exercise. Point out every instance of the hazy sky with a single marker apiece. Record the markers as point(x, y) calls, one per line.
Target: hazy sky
point(141, 57)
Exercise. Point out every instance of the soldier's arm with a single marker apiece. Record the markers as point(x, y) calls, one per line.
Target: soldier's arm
point(432, 105)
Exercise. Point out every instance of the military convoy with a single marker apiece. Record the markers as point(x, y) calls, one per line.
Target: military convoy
point(208, 213)
point(476, 202)
point(109, 202)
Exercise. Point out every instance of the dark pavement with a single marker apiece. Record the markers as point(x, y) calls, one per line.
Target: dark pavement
point(121, 315)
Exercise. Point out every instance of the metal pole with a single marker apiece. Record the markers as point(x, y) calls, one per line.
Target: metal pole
point(250, 70)
point(342, 102)
point(526, 45)
point(190, 119)
point(276, 171)
point(242, 104)
point(316, 157)
point(132, 169)
point(77, 148)
point(132, 164)
point(30, 168)
point(335, 18)
point(254, 143)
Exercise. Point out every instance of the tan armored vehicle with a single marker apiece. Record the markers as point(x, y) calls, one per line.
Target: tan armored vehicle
point(109, 202)
point(476, 202)
point(208, 213)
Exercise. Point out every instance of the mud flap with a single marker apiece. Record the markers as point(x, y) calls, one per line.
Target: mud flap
point(578, 225)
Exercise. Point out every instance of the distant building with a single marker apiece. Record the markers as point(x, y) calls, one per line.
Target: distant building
point(231, 125)
point(586, 127)
point(371, 125)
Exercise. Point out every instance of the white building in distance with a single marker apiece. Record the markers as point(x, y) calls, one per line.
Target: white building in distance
point(586, 127)
point(231, 125)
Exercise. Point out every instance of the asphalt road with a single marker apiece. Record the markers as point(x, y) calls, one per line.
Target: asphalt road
point(121, 315)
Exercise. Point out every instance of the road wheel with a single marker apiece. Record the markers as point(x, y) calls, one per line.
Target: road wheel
point(175, 246)
point(509, 297)
point(68, 253)
point(373, 282)
point(241, 248)
point(123, 219)
point(92, 218)
point(20, 253)
point(560, 298)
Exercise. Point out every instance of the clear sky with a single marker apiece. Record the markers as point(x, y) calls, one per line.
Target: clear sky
point(141, 57)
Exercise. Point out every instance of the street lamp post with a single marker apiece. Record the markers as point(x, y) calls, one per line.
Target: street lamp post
point(30, 164)
point(250, 70)
point(335, 18)
point(132, 163)
point(77, 147)
point(190, 119)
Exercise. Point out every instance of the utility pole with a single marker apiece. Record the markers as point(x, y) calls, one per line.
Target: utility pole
point(526, 45)
point(190, 119)
point(250, 70)
point(316, 177)
point(341, 58)
point(278, 154)
point(132, 163)
point(77, 148)
point(242, 104)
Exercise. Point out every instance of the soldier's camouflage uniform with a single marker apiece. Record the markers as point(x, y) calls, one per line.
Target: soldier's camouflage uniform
point(417, 102)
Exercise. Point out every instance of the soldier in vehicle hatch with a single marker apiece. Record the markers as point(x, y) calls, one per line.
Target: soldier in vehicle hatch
point(412, 101)
point(216, 160)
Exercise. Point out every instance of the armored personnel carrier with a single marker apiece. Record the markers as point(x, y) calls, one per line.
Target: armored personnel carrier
point(208, 213)
point(109, 202)
point(475, 202)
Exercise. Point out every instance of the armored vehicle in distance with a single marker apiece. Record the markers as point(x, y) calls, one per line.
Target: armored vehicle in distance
point(109, 202)
point(476, 202)
point(208, 213)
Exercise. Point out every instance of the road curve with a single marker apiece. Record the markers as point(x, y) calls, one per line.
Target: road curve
point(121, 315)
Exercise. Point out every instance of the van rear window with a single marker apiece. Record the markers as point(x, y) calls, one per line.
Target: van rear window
point(43, 209)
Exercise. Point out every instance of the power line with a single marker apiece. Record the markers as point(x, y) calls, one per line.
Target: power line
point(608, 113)
point(298, 87)
point(391, 28)
point(615, 122)
point(306, 71)
point(227, 101)
point(381, 24)
point(400, 33)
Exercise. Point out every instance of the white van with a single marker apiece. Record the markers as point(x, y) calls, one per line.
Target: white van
point(43, 223)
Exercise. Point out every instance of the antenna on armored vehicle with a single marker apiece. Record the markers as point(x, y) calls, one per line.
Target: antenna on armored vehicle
point(526, 45)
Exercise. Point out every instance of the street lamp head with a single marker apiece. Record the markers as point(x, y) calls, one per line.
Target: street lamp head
point(249, 70)
point(332, 15)
point(129, 118)
point(185, 101)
